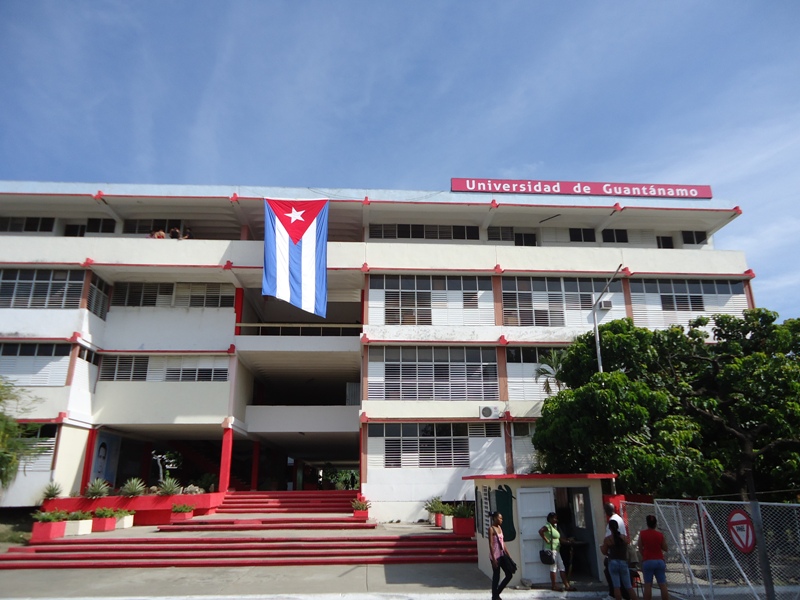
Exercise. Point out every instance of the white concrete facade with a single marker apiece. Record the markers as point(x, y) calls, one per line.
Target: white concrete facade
point(435, 312)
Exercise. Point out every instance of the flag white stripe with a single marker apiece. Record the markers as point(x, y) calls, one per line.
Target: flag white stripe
point(282, 242)
point(309, 262)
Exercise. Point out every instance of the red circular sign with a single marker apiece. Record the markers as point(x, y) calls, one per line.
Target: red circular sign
point(741, 530)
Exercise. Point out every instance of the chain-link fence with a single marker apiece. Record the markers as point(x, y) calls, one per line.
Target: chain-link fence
point(714, 551)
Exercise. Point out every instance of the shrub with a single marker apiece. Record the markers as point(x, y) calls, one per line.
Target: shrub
point(97, 488)
point(104, 512)
point(51, 491)
point(435, 505)
point(51, 516)
point(133, 487)
point(360, 504)
point(464, 510)
point(448, 510)
point(169, 486)
point(79, 515)
point(182, 508)
point(123, 512)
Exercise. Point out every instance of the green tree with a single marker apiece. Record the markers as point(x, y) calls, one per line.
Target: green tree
point(549, 369)
point(675, 413)
point(14, 403)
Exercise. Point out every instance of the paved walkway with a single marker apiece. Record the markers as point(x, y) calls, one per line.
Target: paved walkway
point(390, 582)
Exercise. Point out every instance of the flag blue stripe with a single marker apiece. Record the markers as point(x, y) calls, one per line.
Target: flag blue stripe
point(321, 299)
point(296, 273)
point(269, 282)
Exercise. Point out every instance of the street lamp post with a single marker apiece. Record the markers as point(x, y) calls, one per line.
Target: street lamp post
point(594, 319)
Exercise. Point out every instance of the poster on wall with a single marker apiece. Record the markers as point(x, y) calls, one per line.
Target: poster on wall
point(106, 457)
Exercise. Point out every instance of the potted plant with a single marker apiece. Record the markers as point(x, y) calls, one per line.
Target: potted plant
point(124, 518)
point(182, 512)
point(51, 491)
point(48, 525)
point(133, 487)
point(79, 522)
point(104, 519)
point(97, 488)
point(361, 507)
point(464, 519)
point(447, 517)
point(435, 508)
point(169, 486)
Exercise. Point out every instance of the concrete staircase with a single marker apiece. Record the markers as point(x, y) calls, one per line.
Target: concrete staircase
point(338, 538)
point(327, 501)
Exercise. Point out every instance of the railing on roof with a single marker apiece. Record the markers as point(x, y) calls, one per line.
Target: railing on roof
point(300, 329)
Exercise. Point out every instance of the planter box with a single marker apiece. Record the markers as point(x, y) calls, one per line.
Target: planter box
point(447, 522)
point(464, 526)
point(432, 518)
point(361, 514)
point(438, 519)
point(82, 527)
point(47, 531)
point(184, 516)
point(150, 509)
point(104, 524)
point(125, 522)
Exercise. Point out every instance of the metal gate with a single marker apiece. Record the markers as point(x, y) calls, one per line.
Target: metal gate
point(713, 550)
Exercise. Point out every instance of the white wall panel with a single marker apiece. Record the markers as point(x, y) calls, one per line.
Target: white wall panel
point(143, 402)
point(150, 328)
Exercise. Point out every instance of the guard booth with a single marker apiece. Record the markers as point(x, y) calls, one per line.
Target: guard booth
point(524, 501)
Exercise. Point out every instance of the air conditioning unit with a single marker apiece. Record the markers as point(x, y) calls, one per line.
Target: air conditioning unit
point(489, 412)
point(605, 305)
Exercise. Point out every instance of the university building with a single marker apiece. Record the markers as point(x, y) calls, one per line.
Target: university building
point(439, 307)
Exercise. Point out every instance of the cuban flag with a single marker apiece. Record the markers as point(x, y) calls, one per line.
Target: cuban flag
point(296, 253)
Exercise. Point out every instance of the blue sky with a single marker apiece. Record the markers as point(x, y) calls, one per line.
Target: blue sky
point(379, 94)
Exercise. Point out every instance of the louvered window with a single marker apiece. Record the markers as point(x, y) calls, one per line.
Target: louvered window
point(35, 364)
point(500, 234)
point(98, 297)
point(26, 224)
point(428, 445)
point(522, 447)
point(665, 302)
point(179, 295)
point(430, 300)
point(89, 356)
point(164, 368)
point(146, 226)
point(392, 231)
point(556, 301)
point(522, 366)
point(31, 288)
point(432, 373)
point(39, 456)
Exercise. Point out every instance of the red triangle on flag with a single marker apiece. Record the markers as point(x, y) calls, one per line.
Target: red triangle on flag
point(296, 215)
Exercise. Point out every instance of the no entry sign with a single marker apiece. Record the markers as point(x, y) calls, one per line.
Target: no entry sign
point(741, 530)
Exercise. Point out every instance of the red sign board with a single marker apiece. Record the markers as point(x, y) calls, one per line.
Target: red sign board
point(579, 188)
point(741, 530)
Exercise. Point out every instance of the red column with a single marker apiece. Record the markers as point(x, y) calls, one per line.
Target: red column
point(225, 459)
point(87, 459)
point(254, 467)
point(509, 448)
point(238, 305)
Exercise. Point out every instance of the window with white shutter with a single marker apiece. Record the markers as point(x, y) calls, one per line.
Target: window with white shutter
point(33, 365)
point(432, 373)
point(163, 368)
point(423, 445)
point(40, 288)
point(660, 303)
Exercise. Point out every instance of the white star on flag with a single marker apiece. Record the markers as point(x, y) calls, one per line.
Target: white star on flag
point(295, 215)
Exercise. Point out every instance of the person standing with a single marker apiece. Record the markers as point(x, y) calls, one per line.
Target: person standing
point(652, 546)
point(552, 537)
point(499, 556)
point(615, 547)
point(611, 513)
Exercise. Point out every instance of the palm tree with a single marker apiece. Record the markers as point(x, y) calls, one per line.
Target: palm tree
point(549, 368)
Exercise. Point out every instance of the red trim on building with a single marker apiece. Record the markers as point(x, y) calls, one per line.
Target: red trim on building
point(238, 308)
point(509, 447)
point(87, 459)
point(545, 476)
point(225, 459)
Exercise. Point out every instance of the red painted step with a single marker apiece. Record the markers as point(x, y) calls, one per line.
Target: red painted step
point(191, 552)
